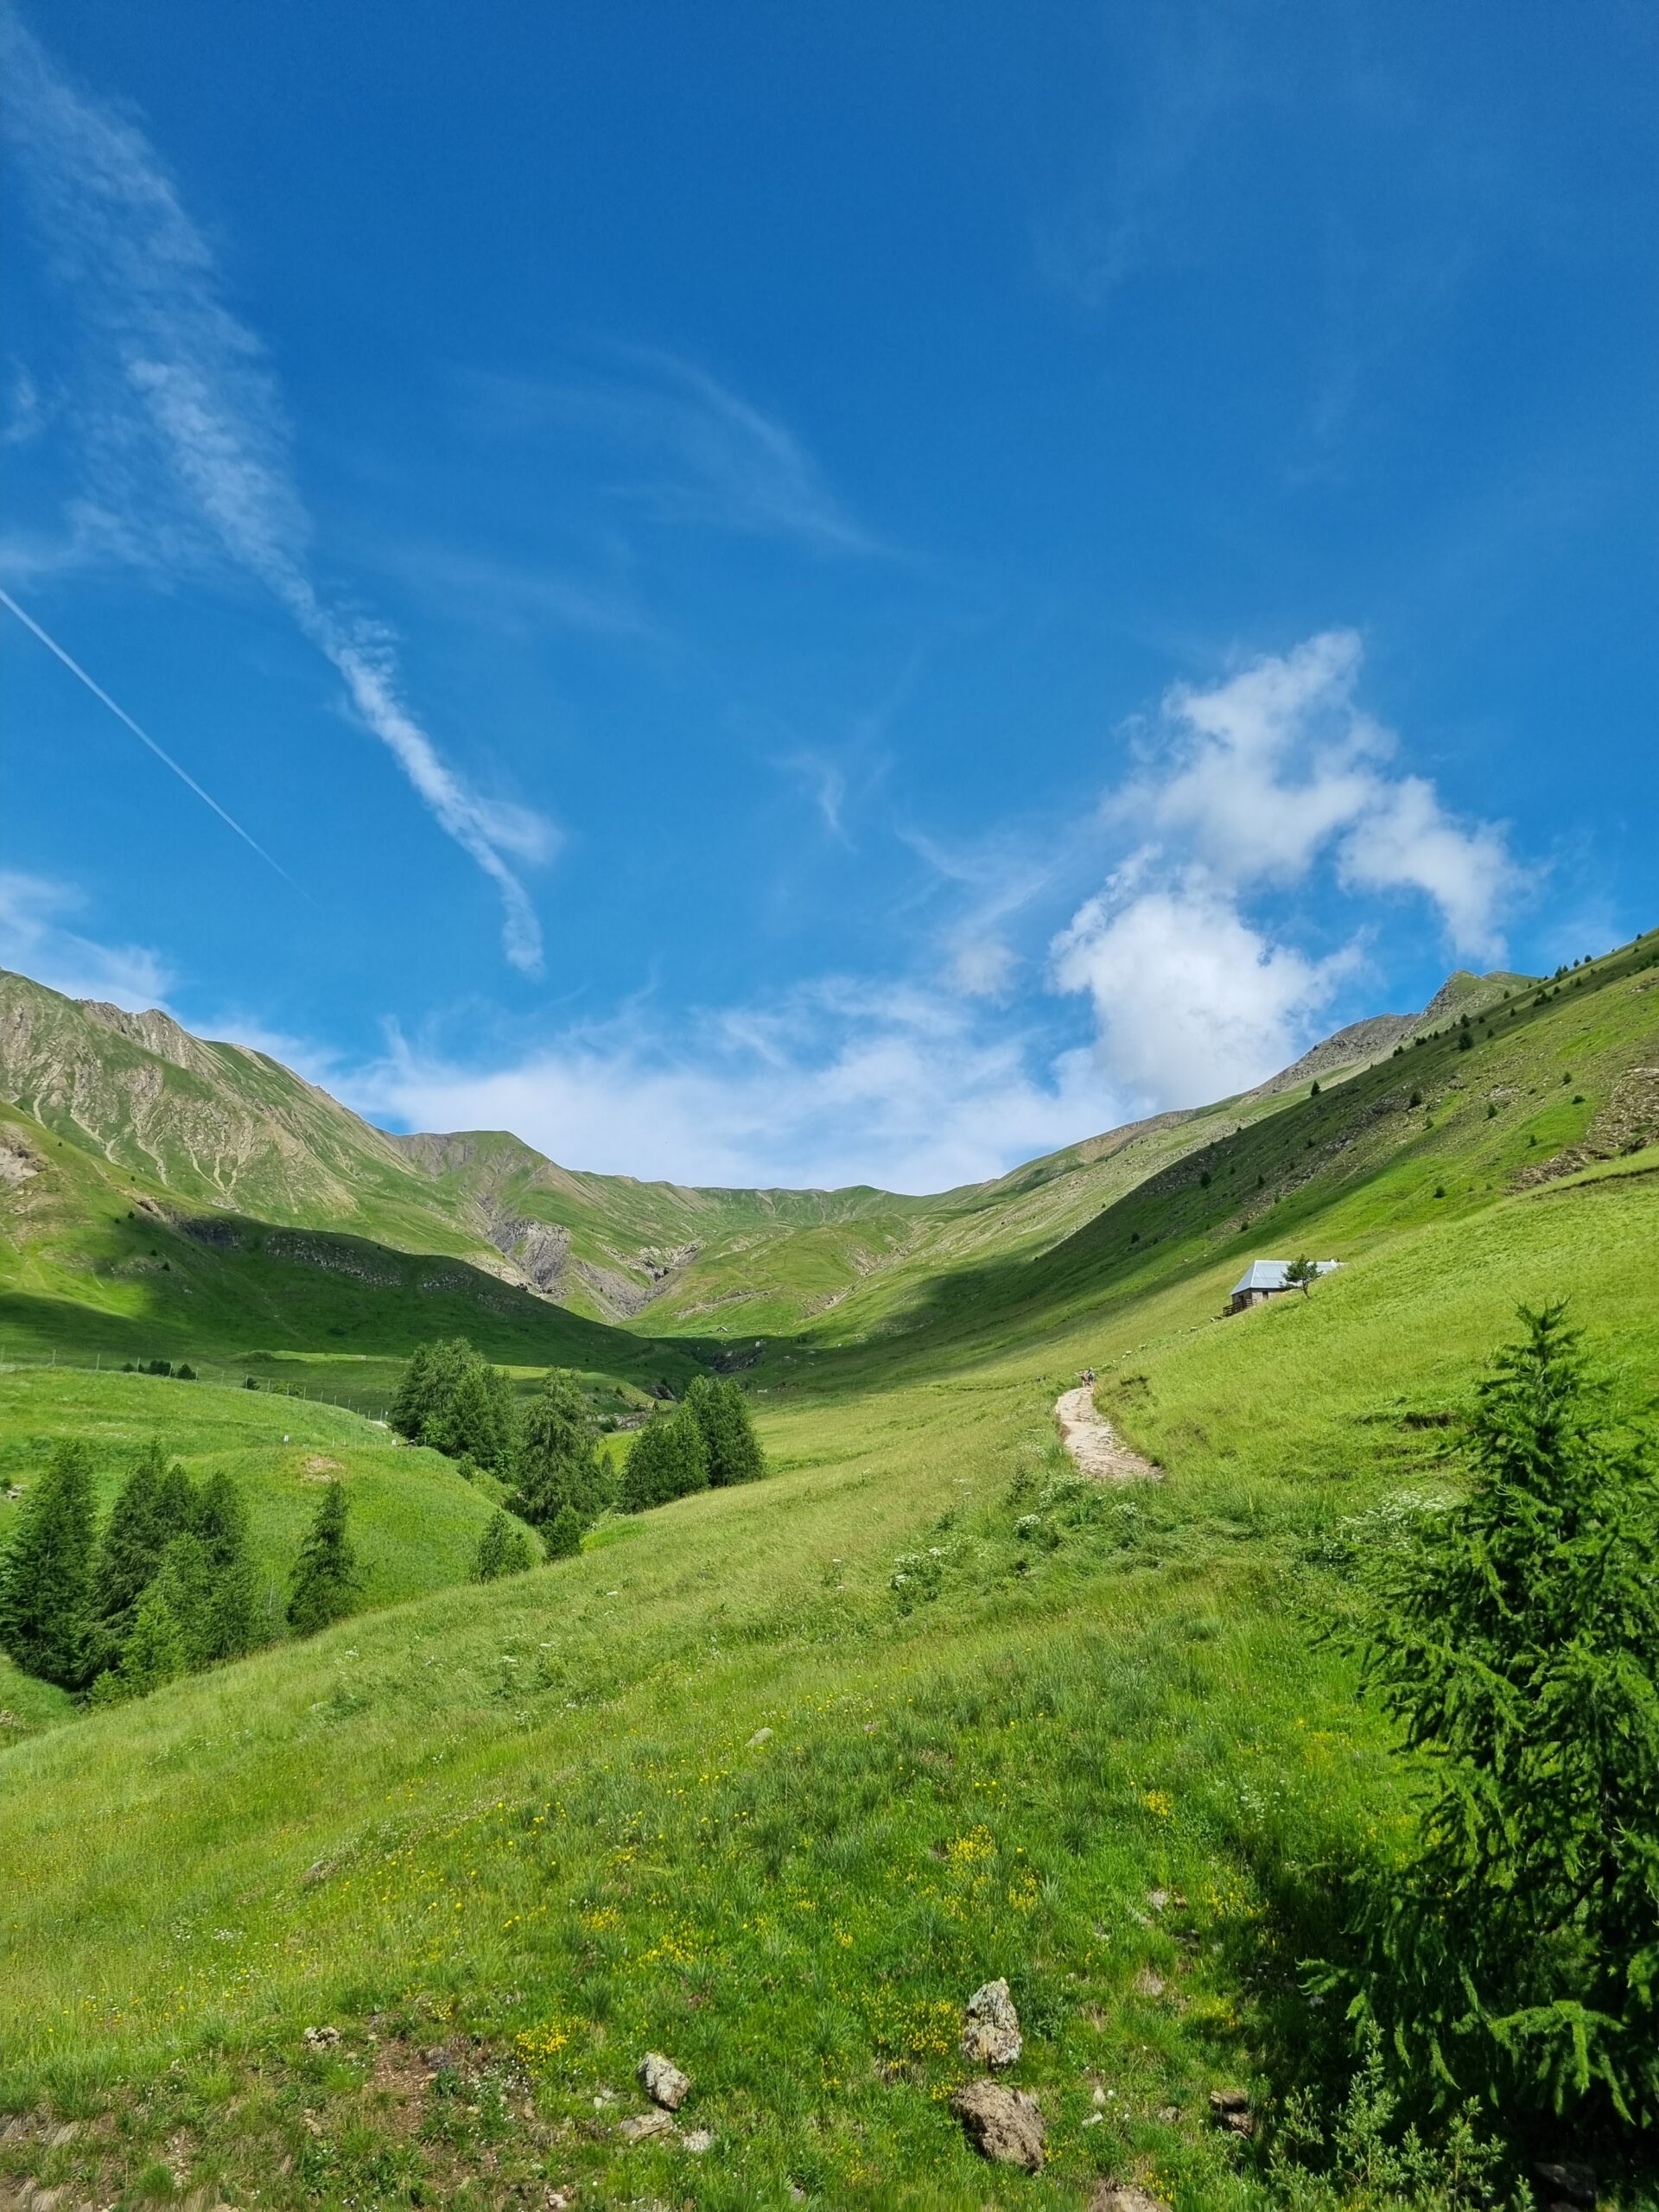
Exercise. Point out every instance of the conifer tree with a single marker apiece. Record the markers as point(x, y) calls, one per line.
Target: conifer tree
point(326, 1575)
point(156, 1504)
point(562, 1538)
point(157, 1650)
point(1516, 1641)
point(559, 1464)
point(222, 1525)
point(667, 1459)
point(478, 1419)
point(722, 1412)
point(452, 1399)
point(502, 1549)
point(184, 1583)
point(46, 1575)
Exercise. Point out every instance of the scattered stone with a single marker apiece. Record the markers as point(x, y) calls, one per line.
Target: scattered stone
point(990, 2034)
point(663, 2082)
point(696, 2140)
point(1230, 2108)
point(1097, 2097)
point(322, 2038)
point(1148, 1984)
point(1169, 2114)
point(1576, 2183)
point(1125, 2196)
point(761, 1735)
point(1003, 2124)
point(1157, 1899)
point(642, 2126)
point(437, 2058)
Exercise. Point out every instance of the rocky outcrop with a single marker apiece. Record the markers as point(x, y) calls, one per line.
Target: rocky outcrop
point(1003, 2124)
point(990, 2032)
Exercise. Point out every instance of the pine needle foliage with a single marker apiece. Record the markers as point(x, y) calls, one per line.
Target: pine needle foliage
point(667, 1459)
point(722, 1412)
point(327, 1577)
point(46, 1576)
point(559, 1464)
point(1517, 1954)
point(504, 1549)
point(452, 1399)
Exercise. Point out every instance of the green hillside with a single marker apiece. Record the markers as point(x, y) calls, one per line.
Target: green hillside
point(416, 1522)
point(96, 1260)
point(771, 1778)
point(207, 1131)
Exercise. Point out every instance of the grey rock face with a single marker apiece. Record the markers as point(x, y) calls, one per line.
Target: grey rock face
point(663, 2082)
point(990, 2034)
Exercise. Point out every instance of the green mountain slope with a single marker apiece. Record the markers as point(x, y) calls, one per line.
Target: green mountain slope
point(223, 1128)
point(95, 1259)
point(771, 1778)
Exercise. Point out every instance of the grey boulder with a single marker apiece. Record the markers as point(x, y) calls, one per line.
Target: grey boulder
point(990, 2034)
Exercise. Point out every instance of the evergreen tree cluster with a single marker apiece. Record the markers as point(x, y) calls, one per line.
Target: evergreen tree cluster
point(558, 1481)
point(453, 1400)
point(708, 1443)
point(167, 1586)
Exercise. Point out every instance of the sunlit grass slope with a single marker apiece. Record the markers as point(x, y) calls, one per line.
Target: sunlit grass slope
point(414, 1521)
point(545, 1824)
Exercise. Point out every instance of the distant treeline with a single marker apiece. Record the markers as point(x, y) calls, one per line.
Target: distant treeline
point(548, 1455)
point(167, 1585)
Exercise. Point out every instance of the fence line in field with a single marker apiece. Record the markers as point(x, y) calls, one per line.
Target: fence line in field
point(207, 1370)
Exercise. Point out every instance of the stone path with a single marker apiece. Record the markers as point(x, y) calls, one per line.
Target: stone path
point(1096, 1446)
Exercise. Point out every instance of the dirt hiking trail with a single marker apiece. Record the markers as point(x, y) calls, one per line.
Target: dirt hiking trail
point(1096, 1446)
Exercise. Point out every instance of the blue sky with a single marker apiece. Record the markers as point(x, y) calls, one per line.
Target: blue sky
point(823, 594)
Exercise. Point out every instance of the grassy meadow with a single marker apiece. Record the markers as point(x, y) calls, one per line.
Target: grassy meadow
point(414, 1521)
point(770, 1778)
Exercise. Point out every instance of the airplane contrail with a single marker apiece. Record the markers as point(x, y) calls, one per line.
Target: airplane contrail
point(144, 736)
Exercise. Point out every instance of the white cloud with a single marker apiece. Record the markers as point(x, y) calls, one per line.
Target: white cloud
point(839, 1083)
point(713, 457)
point(36, 941)
point(186, 429)
point(1262, 776)
point(1192, 1002)
point(983, 967)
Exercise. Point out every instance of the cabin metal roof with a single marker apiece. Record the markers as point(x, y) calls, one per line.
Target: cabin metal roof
point(1269, 1275)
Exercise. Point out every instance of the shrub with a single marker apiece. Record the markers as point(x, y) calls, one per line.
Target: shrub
point(1513, 1953)
point(667, 1459)
point(504, 1549)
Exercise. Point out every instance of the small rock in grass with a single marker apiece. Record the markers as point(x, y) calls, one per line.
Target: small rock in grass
point(642, 2126)
point(1003, 2124)
point(663, 2082)
point(761, 1735)
point(990, 2034)
point(1148, 1984)
point(1125, 2196)
point(1577, 2184)
point(696, 2140)
point(322, 2038)
point(1157, 1899)
point(1230, 2108)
